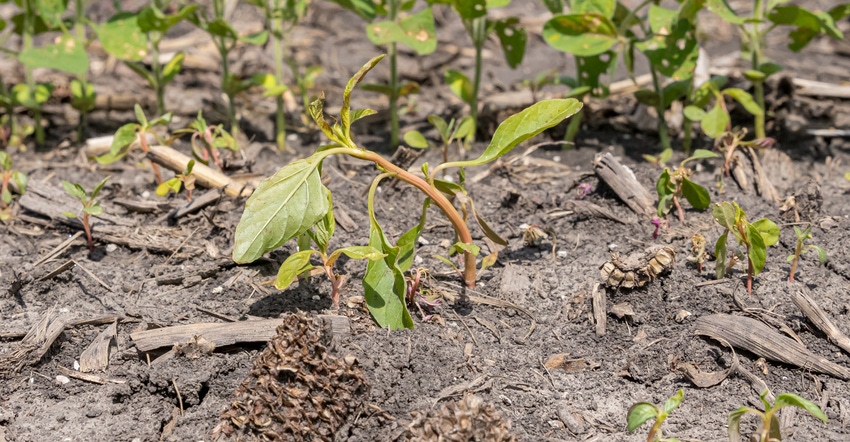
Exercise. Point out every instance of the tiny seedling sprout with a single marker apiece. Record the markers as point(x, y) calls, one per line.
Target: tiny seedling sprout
point(672, 186)
point(755, 237)
point(769, 429)
point(10, 176)
point(127, 135)
point(449, 132)
point(800, 247)
point(91, 206)
point(642, 412)
point(184, 179)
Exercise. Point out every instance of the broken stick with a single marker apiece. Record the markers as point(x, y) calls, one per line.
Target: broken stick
point(204, 175)
point(624, 183)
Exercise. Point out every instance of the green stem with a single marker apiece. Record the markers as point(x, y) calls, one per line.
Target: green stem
point(394, 87)
point(479, 35)
point(756, 48)
point(573, 128)
point(29, 31)
point(81, 39)
point(156, 68)
point(276, 26)
point(10, 111)
point(660, 108)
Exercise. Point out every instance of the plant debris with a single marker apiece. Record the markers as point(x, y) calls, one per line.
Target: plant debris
point(637, 269)
point(296, 389)
point(467, 419)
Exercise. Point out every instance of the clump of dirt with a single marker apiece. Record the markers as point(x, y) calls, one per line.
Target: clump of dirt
point(468, 419)
point(296, 389)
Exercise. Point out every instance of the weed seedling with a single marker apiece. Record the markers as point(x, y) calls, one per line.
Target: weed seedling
point(770, 430)
point(802, 236)
point(295, 200)
point(728, 142)
point(184, 179)
point(449, 132)
point(127, 135)
point(755, 237)
point(91, 207)
point(207, 140)
point(698, 253)
point(672, 186)
point(716, 121)
point(9, 176)
point(642, 412)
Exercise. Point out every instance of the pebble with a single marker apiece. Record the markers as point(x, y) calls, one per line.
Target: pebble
point(612, 247)
point(562, 253)
point(417, 260)
point(556, 158)
point(218, 290)
point(423, 241)
point(62, 379)
point(316, 297)
point(146, 194)
point(524, 226)
point(76, 365)
point(111, 248)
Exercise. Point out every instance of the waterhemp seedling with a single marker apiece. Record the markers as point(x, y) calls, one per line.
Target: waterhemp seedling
point(127, 135)
point(131, 37)
point(225, 38)
point(91, 206)
point(800, 247)
point(9, 175)
point(642, 412)
point(416, 31)
point(755, 237)
point(207, 140)
point(770, 430)
point(294, 200)
point(716, 121)
point(184, 179)
point(766, 16)
point(672, 186)
point(449, 132)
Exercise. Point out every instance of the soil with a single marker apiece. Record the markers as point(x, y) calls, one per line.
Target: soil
point(494, 340)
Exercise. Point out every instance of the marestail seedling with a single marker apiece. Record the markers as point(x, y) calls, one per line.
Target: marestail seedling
point(292, 202)
point(449, 132)
point(755, 237)
point(9, 176)
point(91, 206)
point(800, 247)
point(127, 135)
point(770, 430)
point(672, 186)
point(642, 412)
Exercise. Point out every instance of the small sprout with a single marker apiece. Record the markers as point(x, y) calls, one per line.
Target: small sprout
point(642, 412)
point(207, 140)
point(755, 237)
point(533, 236)
point(672, 186)
point(10, 176)
point(583, 190)
point(698, 253)
point(802, 236)
point(659, 160)
point(729, 141)
point(657, 223)
point(770, 430)
point(449, 132)
point(424, 299)
point(127, 135)
point(91, 207)
point(185, 179)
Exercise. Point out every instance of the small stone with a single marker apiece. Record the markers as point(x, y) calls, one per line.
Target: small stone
point(681, 315)
point(111, 248)
point(417, 260)
point(146, 194)
point(556, 158)
point(445, 243)
point(423, 241)
point(316, 297)
point(612, 247)
point(76, 365)
point(562, 254)
point(524, 226)
point(62, 379)
point(218, 290)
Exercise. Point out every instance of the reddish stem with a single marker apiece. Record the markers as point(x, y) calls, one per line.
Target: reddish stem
point(87, 228)
point(5, 186)
point(679, 210)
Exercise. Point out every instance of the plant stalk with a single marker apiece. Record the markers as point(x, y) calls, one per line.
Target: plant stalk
point(394, 87)
point(663, 136)
point(479, 35)
point(156, 69)
point(29, 31)
point(573, 128)
point(756, 48)
point(87, 228)
point(81, 38)
point(797, 251)
point(276, 26)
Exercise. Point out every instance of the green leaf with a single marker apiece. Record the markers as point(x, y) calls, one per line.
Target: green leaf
point(746, 100)
point(696, 195)
point(140, 115)
point(554, 6)
point(589, 69)
point(839, 12)
point(66, 55)
point(694, 113)
point(407, 242)
point(459, 247)
point(674, 401)
point(715, 121)
point(676, 90)
point(769, 231)
point(344, 113)
point(384, 285)
point(673, 49)
point(794, 15)
point(282, 207)
point(460, 85)
point(257, 38)
point(416, 31)
point(361, 113)
point(720, 256)
point(122, 37)
point(786, 399)
point(356, 252)
point(580, 34)
point(700, 154)
point(442, 127)
point(153, 19)
point(168, 186)
point(98, 187)
point(754, 75)
point(665, 189)
point(513, 38)
point(325, 228)
point(51, 11)
point(822, 257)
point(82, 95)
point(20, 179)
point(6, 197)
point(94, 210)
point(172, 68)
point(639, 413)
point(464, 128)
point(646, 97)
point(724, 214)
point(769, 69)
point(757, 251)
point(75, 190)
point(734, 423)
point(469, 9)
point(605, 8)
point(124, 137)
point(523, 126)
point(295, 264)
point(415, 139)
point(721, 8)
point(71, 215)
point(366, 9)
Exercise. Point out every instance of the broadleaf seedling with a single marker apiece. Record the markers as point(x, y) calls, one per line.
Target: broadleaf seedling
point(672, 186)
point(127, 135)
point(207, 140)
point(294, 200)
point(184, 179)
point(642, 412)
point(755, 237)
point(728, 142)
point(800, 247)
point(769, 428)
point(716, 121)
point(10, 176)
point(91, 205)
point(449, 132)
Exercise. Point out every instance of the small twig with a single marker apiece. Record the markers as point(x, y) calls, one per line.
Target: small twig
point(93, 276)
point(549, 373)
point(182, 244)
point(712, 282)
point(179, 397)
point(466, 326)
point(58, 249)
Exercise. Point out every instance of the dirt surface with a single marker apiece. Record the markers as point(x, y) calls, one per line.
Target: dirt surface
point(493, 341)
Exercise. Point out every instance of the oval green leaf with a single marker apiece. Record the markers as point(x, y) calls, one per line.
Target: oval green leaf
point(746, 100)
point(580, 34)
point(757, 251)
point(639, 413)
point(122, 37)
point(66, 55)
point(715, 121)
point(415, 139)
point(786, 399)
point(769, 231)
point(295, 264)
point(696, 195)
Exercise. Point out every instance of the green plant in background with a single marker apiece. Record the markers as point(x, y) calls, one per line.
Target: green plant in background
point(91, 206)
point(755, 237)
point(131, 37)
point(473, 14)
point(642, 412)
point(672, 186)
point(766, 16)
point(225, 38)
point(304, 83)
point(415, 30)
point(181, 180)
point(770, 430)
point(280, 17)
point(294, 200)
point(800, 247)
point(9, 176)
point(716, 121)
point(449, 132)
point(207, 140)
point(129, 134)
point(728, 142)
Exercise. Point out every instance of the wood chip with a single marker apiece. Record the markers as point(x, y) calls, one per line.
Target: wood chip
point(599, 307)
point(204, 175)
point(35, 344)
point(624, 183)
point(820, 319)
point(221, 334)
point(96, 356)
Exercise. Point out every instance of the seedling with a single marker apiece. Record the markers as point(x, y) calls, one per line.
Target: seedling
point(9, 176)
point(131, 37)
point(511, 35)
point(184, 179)
point(449, 132)
point(729, 141)
point(304, 84)
point(698, 254)
point(672, 186)
point(770, 430)
point(754, 28)
point(91, 206)
point(755, 237)
point(716, 121)
point(642, 412)
point(294, 200)
point(127, 135)
point(802, 236)
point(225, 38)
point(416, 31)
point(207, 140)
